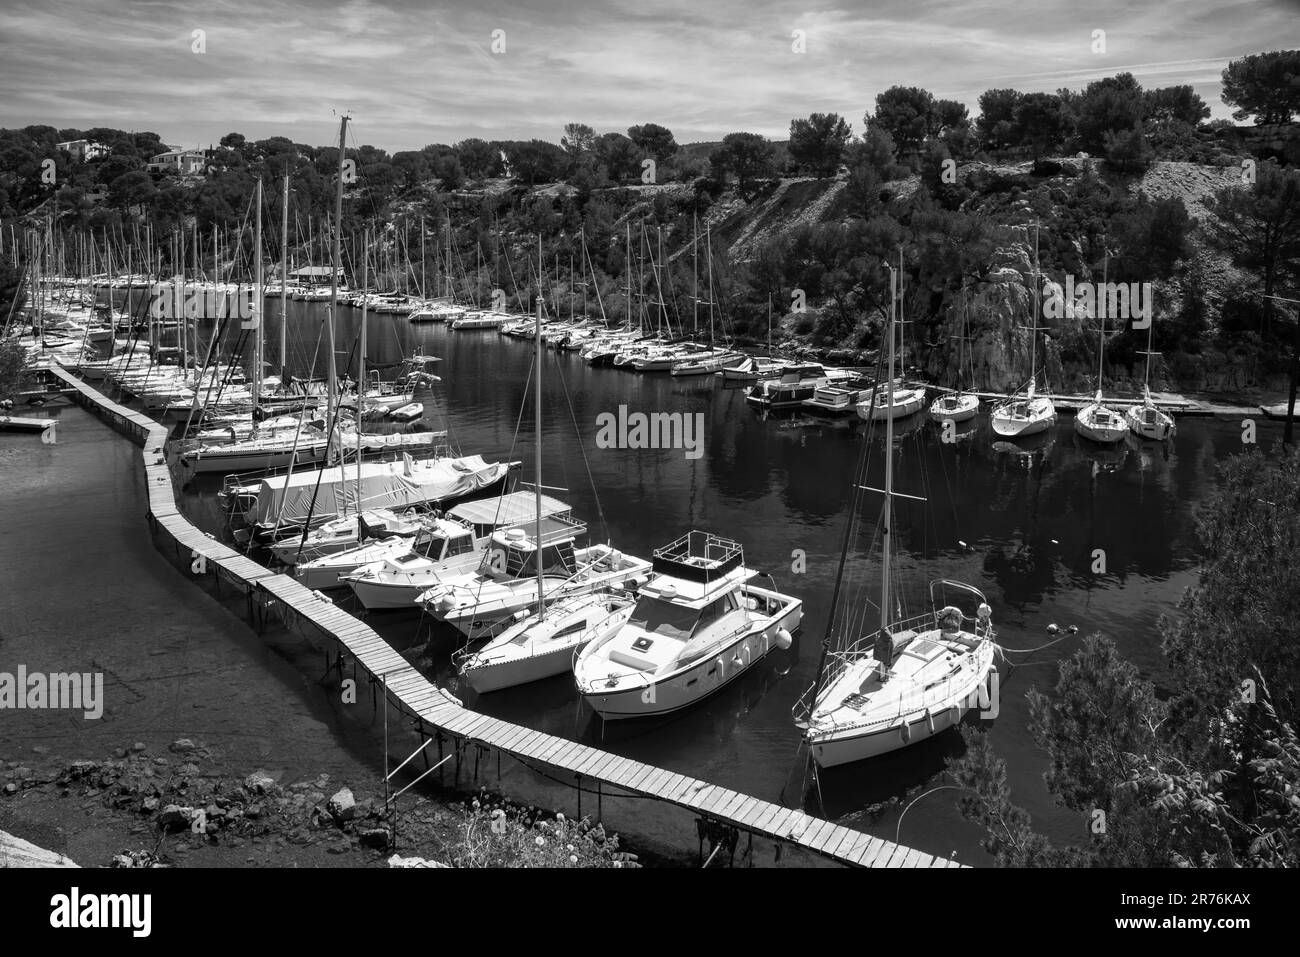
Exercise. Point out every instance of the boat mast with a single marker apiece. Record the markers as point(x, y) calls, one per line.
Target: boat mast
point(886, 531)
point(695, 276)
point(258, 302)
point(1101, 320)
point(332, 372)
point(1033, 329)
point(708, 265)
point(284, 289)
point(537, 423)
point(361, 368)
point(178, 244)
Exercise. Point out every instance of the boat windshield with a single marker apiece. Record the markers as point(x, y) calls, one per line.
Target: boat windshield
point(663, 618)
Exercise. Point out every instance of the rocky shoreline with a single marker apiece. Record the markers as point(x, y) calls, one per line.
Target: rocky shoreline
point(180, 810)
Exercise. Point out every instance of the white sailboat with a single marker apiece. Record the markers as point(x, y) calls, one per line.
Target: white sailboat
point(1096, 421)
point(895, 401)
point(699, 625)
point(1147, 420)
point(911, 679)
point(1030, 414)
point(958, 406)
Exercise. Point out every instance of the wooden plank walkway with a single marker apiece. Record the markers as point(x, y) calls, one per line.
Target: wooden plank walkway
point(436, 710)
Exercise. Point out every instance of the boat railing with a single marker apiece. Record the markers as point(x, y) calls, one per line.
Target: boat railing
point(839, 660)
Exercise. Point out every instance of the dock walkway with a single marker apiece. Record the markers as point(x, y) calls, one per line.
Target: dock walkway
point(436, 712)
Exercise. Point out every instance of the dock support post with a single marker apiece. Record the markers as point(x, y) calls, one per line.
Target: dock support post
point(579, 777)
point(456, 779)
point(477, 752)
point(599, 795)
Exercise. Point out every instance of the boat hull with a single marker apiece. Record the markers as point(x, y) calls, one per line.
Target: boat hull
point(654, 698)
point(959, 412)
point(1112, 428)
point(846, 746)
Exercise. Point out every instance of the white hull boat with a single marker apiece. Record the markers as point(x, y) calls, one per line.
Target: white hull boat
point(1149, 422)
point(345, 533)
point(1098, 423)
point(905, 402)
point(543, 646)
point(698, 626)
point(506, 581)
point(1018, 418)
point(955, 407)
point(455, 548)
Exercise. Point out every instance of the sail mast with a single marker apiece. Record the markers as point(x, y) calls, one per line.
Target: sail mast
point(886, 530)
point(1101, 320)
point(257, 304)
point(695, 276)
point(537, 422)
point(361, 369)
point(284, 289)
point(1033, 329)
point(334, 289)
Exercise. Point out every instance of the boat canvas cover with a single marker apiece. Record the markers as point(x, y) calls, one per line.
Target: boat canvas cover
point(382, 485)
point(515, 508)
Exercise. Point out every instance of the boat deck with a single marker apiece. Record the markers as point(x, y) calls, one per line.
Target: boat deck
point(435, 712)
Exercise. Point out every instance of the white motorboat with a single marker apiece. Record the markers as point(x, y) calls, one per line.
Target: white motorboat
point(835, 400)
point(346, 532)
point(516, 573)
point(543, 644)
point(699, 625)
point(455, 547)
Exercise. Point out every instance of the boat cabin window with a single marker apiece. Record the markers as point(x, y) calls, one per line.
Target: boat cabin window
point(460, 545)
point(715, 610)
point(557, 558)
point(663, 618)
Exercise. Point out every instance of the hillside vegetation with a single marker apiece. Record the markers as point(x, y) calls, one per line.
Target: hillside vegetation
point(1110, 181)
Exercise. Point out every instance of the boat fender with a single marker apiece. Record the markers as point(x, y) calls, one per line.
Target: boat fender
point(905, 732)
point(929, 720)
point(722, 666)
point(783, 639)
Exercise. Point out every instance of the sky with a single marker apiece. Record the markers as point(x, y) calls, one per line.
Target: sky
point(412, 73)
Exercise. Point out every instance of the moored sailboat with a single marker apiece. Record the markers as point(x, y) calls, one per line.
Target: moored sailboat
point(913, 678)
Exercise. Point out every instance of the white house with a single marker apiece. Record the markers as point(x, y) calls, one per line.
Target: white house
point(83, 151)
point(179, 161)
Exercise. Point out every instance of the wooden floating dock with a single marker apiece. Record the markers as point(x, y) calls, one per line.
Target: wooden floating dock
point(437, 713)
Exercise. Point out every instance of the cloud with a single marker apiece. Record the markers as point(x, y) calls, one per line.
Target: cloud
point(413, 74)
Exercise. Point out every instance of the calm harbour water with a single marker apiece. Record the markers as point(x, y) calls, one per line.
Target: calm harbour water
point(1031, 524)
